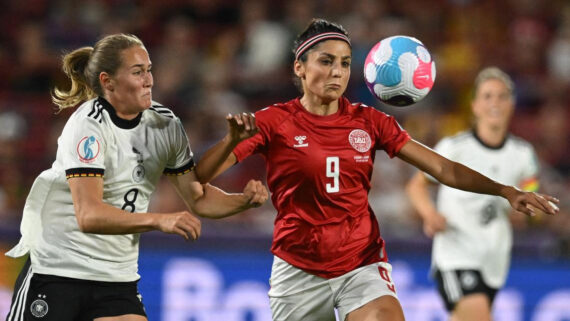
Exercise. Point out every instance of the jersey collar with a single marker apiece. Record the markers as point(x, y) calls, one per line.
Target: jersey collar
point(342, 103)
point(487, 145)
point(118, 121)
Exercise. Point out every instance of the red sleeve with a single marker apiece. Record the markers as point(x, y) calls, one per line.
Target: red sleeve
point(249, 146)
point(390, 136)
point(264, 120)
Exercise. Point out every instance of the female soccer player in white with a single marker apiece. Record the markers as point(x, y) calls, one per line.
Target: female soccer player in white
point(319, 151)
point(83, 217)
point(472, 233)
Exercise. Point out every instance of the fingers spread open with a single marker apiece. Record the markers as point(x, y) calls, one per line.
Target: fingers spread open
point(552, 202)
point(249, 119)
point(528, 210)
point(545, 203)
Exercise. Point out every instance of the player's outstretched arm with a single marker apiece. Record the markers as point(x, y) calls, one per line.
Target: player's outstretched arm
point(461, 177)
point(209, 201)
point(220, 157)
point(418, 192)
point(95, 216)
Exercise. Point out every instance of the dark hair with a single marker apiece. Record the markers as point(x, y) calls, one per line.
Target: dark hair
point(84, 65)
point(316, 26)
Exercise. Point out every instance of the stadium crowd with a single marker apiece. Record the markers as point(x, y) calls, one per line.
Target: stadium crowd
point(213, 57)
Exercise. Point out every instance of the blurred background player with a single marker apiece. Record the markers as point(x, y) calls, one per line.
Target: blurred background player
point(472, 232)
point(78, 224)
point(319, 151)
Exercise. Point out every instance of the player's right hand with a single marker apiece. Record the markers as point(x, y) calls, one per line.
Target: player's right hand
point(241, 126)
point(531, 203)
point(434, 224)
point(181, 223)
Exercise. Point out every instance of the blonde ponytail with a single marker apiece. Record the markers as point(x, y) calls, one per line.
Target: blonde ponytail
point(74, 65)
point(84, 65)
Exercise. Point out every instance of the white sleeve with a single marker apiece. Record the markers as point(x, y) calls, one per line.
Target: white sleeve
point(532, 165)
point(529, 171)
point(181, 158)
point(82, 148)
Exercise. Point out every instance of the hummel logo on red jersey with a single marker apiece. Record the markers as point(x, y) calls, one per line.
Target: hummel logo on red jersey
point(301, 141)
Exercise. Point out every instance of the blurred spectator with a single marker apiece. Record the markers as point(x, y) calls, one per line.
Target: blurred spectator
point(266, 41)
point(35, 59)
point(12, 189)
point(264, 51)
point(559, 50)
point(553, 139)
point(177, 64)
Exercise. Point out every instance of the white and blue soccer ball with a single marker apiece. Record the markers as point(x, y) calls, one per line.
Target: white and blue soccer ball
point(399, 71)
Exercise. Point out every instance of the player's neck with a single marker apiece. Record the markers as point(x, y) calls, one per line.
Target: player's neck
point(317, 106)
point(122, 112)
point(491, 136)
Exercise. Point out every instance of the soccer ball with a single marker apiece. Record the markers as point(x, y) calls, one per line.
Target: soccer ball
point(399, 70)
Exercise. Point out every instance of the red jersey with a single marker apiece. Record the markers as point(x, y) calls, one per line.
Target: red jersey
point(318, 172)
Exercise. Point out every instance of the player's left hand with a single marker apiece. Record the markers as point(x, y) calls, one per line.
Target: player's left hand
point(256, 192)
point(434, 224)
point(531, 203)
point(241, 126)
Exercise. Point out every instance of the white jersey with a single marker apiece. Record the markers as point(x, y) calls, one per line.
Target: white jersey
point(478, 234)
point(130, 156)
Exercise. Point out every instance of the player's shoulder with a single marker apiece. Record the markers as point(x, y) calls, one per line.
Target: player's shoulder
point(358, 109)
point(277, 112)
point(459, 138)
point(159, 116)
point(89, 111)
point(519, 141)
point(159, 110)
point(460, 141)
point(279, 108)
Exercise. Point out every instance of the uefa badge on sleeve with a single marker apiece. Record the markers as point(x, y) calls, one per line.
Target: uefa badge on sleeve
point(88, 149)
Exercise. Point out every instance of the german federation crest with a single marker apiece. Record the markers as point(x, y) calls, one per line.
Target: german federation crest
point(468, 280)
point(138, 173)
point(39, 308)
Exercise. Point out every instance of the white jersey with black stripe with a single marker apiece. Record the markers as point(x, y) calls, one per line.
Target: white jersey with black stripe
point(478, 234)
point(130, 156)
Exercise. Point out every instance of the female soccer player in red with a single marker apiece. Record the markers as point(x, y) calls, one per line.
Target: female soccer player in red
point(319, 151)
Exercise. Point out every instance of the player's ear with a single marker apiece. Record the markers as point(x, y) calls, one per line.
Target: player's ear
point(106, 81)
point(299, 69)
point(475, 109)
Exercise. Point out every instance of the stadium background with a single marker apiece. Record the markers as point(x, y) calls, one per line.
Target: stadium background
point(212, 57)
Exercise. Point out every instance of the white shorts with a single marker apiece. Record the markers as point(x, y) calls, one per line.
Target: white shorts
point(297, 295)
